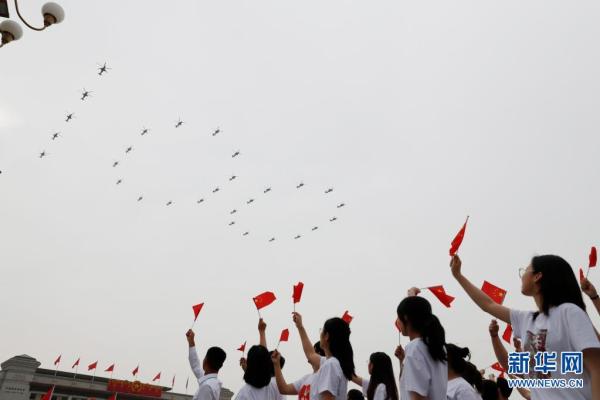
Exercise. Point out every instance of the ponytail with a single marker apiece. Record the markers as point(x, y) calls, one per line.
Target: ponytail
point(417, 312)
point(339, 344)
point(458, 361)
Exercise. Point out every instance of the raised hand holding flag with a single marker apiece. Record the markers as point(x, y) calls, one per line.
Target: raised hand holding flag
point(457, 241)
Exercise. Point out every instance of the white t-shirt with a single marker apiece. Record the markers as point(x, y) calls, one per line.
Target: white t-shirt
point(303, 386)
point(460, 389)
point(565, 328)
point(249, 392)
point(329, 378)
point(421, 374)
point(380, 391)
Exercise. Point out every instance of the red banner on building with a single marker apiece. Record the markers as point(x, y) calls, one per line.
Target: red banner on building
point(136, 387)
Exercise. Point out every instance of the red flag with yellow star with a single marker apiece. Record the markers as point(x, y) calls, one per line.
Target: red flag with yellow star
point(440, 293)
point(264, 299)
point(497, 294)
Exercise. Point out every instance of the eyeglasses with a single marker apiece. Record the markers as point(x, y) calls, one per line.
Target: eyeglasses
point(522, 272)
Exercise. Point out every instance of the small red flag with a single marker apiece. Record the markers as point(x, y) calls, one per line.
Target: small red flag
point(298, 292)
point(136, 370)
point(57, 361)
point(76, 363)
point(440, 293)
point(507, 333)
point(497, 294)
point(92, 365)
point(242, 348)
point(285, 335)
point(457, 241)
point(581, 275)
point(197, 309)
point(113, 397)
point(264, 299)
point(48, 395)
point(110, 369)
point(593, 257)
point(347, 317)
point(157, 377)
point(497, 367)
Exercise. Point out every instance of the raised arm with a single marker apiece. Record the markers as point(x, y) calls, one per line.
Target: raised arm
point(499, 349)
point(262, 329)
point(477, 295)
point(283, 387)
point(193, 356)
point(590, 290)
point(309, 351)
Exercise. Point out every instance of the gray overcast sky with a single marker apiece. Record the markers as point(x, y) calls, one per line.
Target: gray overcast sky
point(416, 113)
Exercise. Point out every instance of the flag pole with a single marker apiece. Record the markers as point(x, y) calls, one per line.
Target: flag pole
point(94, 376)
point(76, 369)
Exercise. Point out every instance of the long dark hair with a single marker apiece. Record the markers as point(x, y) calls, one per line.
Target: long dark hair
point(458, 361)
point(258, 367)
point(382, 372)
point(558, 284)
point(416, 311)
point(339, 344)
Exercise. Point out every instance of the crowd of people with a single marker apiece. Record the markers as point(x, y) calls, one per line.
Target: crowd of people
point(431, 368)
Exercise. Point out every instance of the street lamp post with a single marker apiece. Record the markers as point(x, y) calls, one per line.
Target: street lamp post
point(10, 30)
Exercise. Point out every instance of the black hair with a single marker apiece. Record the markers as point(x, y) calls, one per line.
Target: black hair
point(318, 349)
point(355, 394)
point(215, 357)
point(382, 373)
point(489, 390)
point(503, 387)
point(281, 363)
point(417, 311)
point(339, 344)
point(258, 367)
point(458, 361)
point(558, 284)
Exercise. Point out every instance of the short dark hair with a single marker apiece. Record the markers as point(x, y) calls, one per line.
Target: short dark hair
point(489, 390)
point(355, 394)
point(503, 387)
point(258, 367)
point(215, 357)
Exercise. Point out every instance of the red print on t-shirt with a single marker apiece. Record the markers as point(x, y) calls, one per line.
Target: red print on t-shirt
point(536, 342)
point(304, 393)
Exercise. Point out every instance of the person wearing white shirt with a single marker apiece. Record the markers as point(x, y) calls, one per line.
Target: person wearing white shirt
point(382, 384)
point(559, 325)
point(257, 375)
point(425, 371)
point(463, 377)
point(330, 381)
point(315, 357)
point(209, 386)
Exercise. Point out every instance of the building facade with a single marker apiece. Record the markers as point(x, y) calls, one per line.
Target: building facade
point(21, 378)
